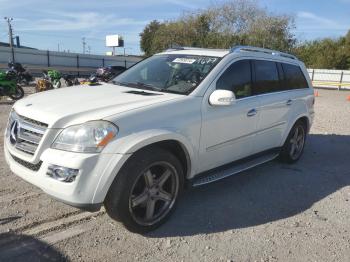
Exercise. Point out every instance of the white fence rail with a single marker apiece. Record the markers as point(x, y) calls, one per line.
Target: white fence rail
point(337, 79)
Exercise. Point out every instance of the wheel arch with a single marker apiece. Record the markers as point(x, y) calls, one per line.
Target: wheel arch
point(177, 149)
point(306, 121)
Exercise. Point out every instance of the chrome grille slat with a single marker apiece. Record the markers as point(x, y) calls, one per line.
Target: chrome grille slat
point(26, 147)
point(29, 133)
point(30, 136)
point(34, 122)
point(36, 129)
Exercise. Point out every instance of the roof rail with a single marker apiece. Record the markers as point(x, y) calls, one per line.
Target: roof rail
point(177, 47)
point(174, 47)
point(261, 50)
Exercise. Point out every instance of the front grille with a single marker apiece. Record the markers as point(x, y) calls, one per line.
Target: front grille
point(33, 167)
point(25, 134)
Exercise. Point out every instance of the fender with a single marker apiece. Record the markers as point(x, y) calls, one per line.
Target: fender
point(122, 149)
point(135, 141)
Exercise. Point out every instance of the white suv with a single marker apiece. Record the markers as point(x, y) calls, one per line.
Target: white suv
point(184, 116)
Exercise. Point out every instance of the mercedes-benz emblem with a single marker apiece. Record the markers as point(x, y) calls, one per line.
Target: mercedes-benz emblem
point(15, 127)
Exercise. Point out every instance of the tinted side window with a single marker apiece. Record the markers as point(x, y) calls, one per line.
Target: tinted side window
point(266, 77)
point(294, 77)
point(237, 78)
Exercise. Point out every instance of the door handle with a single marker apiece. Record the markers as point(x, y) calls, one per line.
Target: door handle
point(252, 112)
point(289, 102)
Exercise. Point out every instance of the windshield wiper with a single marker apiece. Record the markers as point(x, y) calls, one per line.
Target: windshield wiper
point(147, 86)
point(139, 85)
point(165, 90)
point(120, 83)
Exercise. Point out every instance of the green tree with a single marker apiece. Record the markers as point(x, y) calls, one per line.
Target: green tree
point(326, 53)
point(148, 35)
point(222, 26)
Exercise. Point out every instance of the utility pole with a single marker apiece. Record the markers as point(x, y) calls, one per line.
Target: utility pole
point(84, 44)
point(8, 20)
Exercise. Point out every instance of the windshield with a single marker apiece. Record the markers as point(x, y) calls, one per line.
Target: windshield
point(179, 74)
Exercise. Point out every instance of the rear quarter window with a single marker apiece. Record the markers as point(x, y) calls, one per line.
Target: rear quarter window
point(293, 77)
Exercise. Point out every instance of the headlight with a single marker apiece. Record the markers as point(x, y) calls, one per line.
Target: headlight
point(90, 137)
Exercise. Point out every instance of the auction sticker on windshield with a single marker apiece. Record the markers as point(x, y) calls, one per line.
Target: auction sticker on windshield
point(184, 60)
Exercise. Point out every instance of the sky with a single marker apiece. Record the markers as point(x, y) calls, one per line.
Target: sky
point(61, 24)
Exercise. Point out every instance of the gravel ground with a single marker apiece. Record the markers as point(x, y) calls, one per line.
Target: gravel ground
point(274, 212)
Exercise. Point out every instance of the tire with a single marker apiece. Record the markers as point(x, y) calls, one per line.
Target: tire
point(139, 198)
point(57, 84)
point(68, 83)
point(19, 93)
point(294, 145)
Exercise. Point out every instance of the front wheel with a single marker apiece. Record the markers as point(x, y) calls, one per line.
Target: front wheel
point(144, 193)
point(294, 145)
point(18, 94)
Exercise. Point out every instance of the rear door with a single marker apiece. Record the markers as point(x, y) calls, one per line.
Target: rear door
point(275, 104)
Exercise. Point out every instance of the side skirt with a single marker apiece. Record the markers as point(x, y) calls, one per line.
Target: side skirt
point(234, 167)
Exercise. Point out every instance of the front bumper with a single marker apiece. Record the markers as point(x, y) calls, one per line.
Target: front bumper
point(87, 191)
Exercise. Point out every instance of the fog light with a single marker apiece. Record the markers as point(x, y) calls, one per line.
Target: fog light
point(63, 174)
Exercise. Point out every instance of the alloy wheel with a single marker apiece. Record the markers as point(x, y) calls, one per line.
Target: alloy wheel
point(154, 193)
point(297, 142)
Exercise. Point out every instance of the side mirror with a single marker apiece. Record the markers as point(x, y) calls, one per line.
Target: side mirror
point(222, 98)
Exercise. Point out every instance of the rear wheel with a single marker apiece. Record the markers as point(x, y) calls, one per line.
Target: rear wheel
point(294, 145)
point(19, 93)
point(145, 191)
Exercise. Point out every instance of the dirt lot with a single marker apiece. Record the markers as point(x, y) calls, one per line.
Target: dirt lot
point(274, 212)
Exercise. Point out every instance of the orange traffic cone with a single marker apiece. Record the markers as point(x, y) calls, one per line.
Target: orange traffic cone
point(316, 93)
point(348, 98)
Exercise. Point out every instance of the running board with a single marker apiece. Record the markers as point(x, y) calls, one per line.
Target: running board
point(232, 169)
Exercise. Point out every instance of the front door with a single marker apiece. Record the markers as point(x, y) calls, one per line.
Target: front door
point(227, 131)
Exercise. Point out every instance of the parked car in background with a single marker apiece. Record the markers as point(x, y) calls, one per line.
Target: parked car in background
point(184, 116)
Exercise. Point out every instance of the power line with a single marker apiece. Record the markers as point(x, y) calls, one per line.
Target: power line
point(58, 35)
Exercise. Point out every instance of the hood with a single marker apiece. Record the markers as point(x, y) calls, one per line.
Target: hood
point(74, 105)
